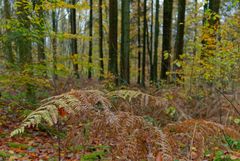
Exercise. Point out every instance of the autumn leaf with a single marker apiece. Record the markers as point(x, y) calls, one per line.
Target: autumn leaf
point(159, 157)
point(62, 112)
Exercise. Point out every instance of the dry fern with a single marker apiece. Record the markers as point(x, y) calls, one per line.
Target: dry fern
point(130, 137)
point(207, 135)
point(71, 103)
point(93, 123)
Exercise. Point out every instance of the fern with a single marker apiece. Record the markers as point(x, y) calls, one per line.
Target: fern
point(71, 103)
point(127, 94)
point(75, 101)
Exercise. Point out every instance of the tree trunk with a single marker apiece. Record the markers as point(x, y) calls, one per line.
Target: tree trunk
point(113, 37)
point(91, 39)
point(209, 40)
point(205, 7)
point(41, 43)
point(54, 45)
point(144, 42)
point(23, 42)
point(166, 42)
point(180, 29)
point(124, 61)
point(156, 38)
point(101, 40)
point(8, 43)
point(24, 46)
point(151, 44)
point(74, 50)
point(139, 42)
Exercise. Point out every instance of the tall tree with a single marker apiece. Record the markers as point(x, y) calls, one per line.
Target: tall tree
point(23, 43)
point(91, 39)
point(100, 5)
point(214, 6)
point(74, 50)
point(125, 44)
point(156, 38)
point(179, 43)
point(40, 27)
point(8, 44)
point(113, 38)
point(139, 41)
point(54, 44)
point(205, 8)
point(211, 26)
point(166, 40)
point(151, 43)
point(144, 42)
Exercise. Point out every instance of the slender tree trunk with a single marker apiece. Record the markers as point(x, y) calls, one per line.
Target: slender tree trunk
point(125, 45)
point(101, 40)
point(166, 42)
point(74, 51)
point(54, 45)
point(144, 42)
point(156, 38)
point(23, 42)
point(139, 42)
point(8, 44)
point(41, 43)
point(151, 43)
point(180, 29)
point(113, 37)
point(205, 7)
point(91, 39)
point(195, 27)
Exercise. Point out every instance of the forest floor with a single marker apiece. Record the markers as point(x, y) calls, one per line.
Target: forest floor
point(191, 135)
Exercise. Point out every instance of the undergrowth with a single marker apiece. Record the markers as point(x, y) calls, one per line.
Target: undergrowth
point(93, 117)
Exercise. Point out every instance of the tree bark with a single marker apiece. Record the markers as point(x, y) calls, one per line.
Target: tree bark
point(23, 42)
point(41, 43)
point(125, 45)
point(8, 43)
point(54, 44)
point(151, 44)
point(101, 40)
point(166, 42)
point(139, 41)
point(156, 38)
point(74, 50)
point(144, 42)
point(113, 38)
point(91, 39)
point(179, 44)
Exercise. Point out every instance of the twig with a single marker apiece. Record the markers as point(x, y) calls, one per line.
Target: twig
point(234, 107)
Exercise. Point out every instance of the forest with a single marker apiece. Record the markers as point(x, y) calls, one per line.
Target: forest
point(120, 80)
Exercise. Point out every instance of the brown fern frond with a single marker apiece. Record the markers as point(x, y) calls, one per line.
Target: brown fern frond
point(131, 138)
point(207, 134)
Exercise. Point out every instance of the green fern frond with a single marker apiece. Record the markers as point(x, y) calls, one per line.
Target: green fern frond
point(127, 94)
point(48, 112)
point(72, 103)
